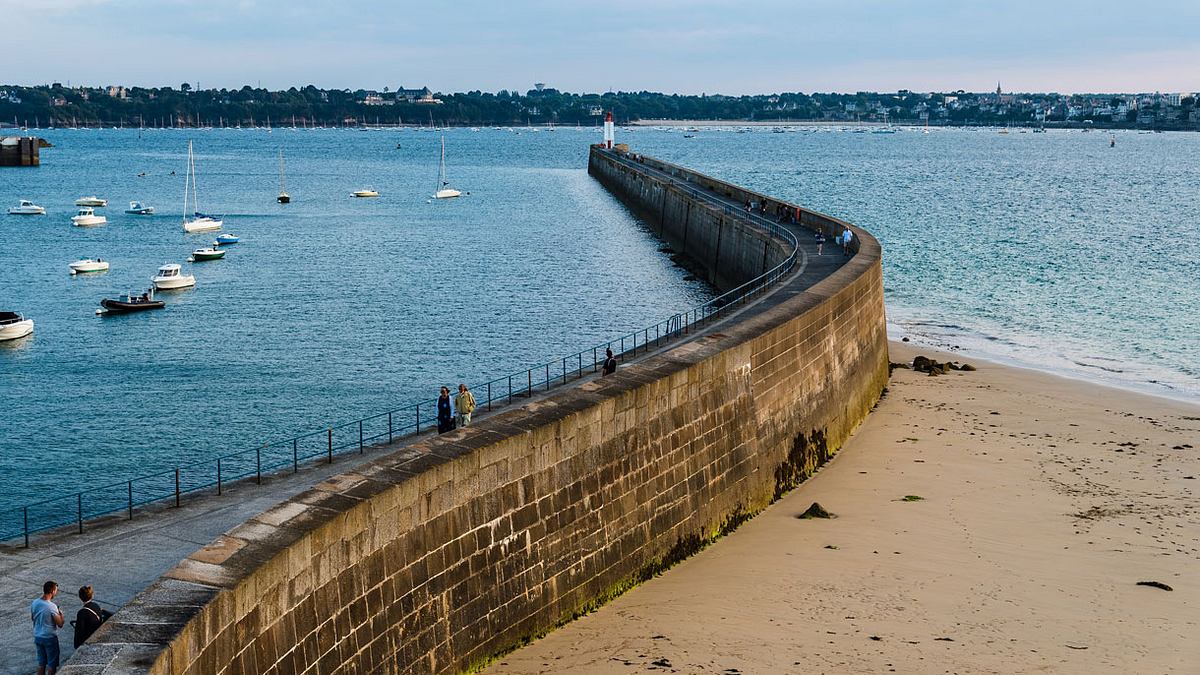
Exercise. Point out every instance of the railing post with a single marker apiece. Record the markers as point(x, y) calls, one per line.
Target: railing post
point(295, 455)
point(25, 512)
point(489, 386)
point(564, 370)
point(510, 388)
point(418, 418)
point(529, 385)
point(329, 431)
point(622, 344)
point(79, 510)
point(580, 374)
point(389, 427)
point(258, 464)
point(595, 361)
point(176, 487)
point(130, 486)
point(360, 437)
point(218, 475)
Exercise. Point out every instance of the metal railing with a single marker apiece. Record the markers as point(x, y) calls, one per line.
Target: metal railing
point(168, 487)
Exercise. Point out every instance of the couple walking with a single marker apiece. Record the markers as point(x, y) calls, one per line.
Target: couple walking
point(460, 414)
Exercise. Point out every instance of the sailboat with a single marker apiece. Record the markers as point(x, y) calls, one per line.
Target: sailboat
point(444, 191)
point(199, 222)
point(283, 197)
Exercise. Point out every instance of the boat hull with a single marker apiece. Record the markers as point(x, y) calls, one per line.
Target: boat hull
point(88, 221)
point(86, 266)
point(226, 240)
point(123, 307)
point(284, 198)
point(446, 194)
point(366, 193)
point(17, 330)
point(91, 202)
point(26, 211)
point(174, 283)
point(148, 211)
point(202, 225)
point(201, 257)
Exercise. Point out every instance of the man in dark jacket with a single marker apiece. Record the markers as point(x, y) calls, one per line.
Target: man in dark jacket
point(89, 618)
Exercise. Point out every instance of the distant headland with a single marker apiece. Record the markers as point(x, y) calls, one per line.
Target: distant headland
point(56, 105)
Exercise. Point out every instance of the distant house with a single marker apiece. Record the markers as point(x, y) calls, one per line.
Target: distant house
point(373, 98)
point(413, 95)
point(118, 92)
point(595, 110)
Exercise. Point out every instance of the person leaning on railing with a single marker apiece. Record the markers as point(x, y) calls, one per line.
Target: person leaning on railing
point(610, 363)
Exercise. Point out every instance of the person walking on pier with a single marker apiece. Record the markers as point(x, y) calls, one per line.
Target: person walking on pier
point(464, 404)
point(89, 618)
point(47, 619)
point(820, 243)
point(610, 363)
point(847, 237)
point(445, 413)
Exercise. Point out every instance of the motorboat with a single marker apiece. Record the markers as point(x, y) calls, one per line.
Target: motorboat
point(130, 303)
point(139, 209)
point(170, 277)
point(13, 326)
point(200, 222)
point(87, 218)
point(365, 193)
point(202, 254)
point(226, 239)
point(27, 208)
point(91, 201)
point(88, 265)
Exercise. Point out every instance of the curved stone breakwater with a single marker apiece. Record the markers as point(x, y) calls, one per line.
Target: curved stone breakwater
point(453, 549)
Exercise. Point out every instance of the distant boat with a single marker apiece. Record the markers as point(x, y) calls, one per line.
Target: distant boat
point(131, 303)
point(226, 239)
point(139, 209)
point(91, 201)
point(27, 208)
point(202, 254)
point(444, 191)
point(284, 197)
point(14, 326)
point(200, 222)
point(87, 218)
point(1112, 141)
point(88, 265)
point(364, 193)
point(170, 277)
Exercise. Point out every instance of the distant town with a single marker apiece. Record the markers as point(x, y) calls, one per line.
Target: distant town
point(57, 105)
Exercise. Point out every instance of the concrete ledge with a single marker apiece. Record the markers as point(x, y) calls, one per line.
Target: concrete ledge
point(449, 551)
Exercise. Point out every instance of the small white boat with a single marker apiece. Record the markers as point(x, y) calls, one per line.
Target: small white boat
point(365, 193)
point(27, 208)
point(444, 191)
point(226, 239)
point(170, 276)
point(13, 326)
point(202, 254)
point(87, 218)
point(139, 209)
point(88, 265)
point(91, 201)
point(200, 222)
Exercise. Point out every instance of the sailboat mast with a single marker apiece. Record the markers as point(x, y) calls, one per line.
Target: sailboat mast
point(281, 188)
point(186, 183)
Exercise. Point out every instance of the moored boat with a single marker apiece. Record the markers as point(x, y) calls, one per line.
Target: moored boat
point(170, 277)
point(365, 193)
point(27, 208)
point(130, 303)
point(91, 201)
point(87, 218)
point(226, 239)
point(284, 197)
point(444, 191)
point(202, 254)
point(200, 222)
point(139, 209)
point(87, 265)
point(14, 326)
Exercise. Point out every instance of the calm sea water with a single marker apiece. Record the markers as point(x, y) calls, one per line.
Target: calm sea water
point(1049, 250)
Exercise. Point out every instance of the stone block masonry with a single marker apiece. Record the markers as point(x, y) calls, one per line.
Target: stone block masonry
point(454, 549)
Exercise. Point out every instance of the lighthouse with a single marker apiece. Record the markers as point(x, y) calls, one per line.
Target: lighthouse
point(608, 130)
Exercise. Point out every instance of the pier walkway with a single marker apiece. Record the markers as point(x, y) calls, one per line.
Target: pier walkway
point(120, 557)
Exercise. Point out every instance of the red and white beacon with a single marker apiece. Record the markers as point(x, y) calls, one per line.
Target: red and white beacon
point(608, 130)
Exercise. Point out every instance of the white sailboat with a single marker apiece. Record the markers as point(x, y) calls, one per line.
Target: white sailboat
point(199, 221)
point(444, 191)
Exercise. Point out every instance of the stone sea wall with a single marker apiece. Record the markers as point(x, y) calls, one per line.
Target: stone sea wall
point(455, 548)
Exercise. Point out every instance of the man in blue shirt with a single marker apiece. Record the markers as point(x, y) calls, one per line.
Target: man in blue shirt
point(47, 619)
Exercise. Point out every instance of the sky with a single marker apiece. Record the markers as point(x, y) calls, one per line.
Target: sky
point(680, 46)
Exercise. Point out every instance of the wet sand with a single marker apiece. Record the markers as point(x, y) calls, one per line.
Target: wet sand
point(1042, 502)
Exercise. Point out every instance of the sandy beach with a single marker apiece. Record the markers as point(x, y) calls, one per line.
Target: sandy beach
point(1035, 504)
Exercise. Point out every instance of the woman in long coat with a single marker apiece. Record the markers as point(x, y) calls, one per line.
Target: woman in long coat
point(445, 412)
